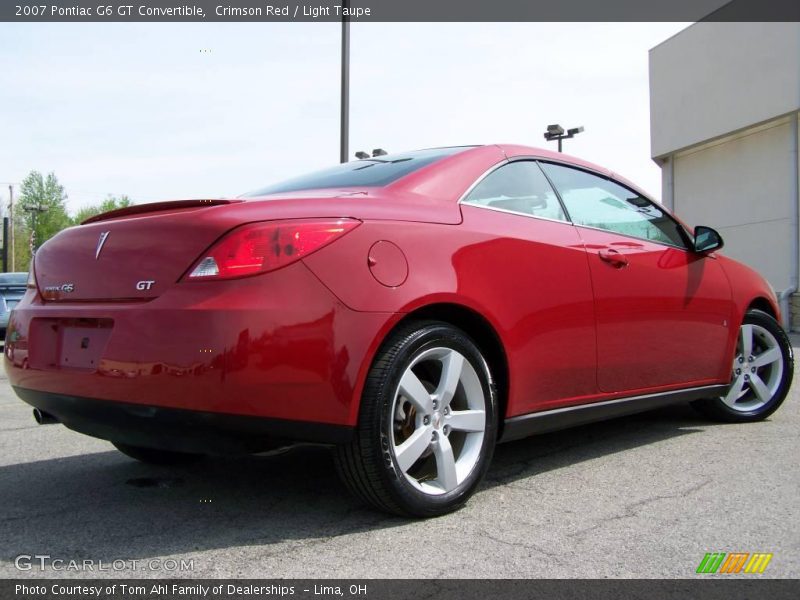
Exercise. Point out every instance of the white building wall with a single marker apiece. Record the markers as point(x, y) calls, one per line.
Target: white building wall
point(715, 78)
point(742, 186)
point(724, 116)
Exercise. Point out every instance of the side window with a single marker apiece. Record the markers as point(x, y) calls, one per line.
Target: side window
point(520, 187)
point(597, 202)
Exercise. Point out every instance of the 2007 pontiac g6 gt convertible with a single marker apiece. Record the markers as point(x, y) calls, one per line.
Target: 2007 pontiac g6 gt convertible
point(411, 310)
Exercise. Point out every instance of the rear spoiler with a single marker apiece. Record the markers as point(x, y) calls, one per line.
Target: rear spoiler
point(138, 209)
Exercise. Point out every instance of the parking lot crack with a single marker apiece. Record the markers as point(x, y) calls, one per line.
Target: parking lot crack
point(525, 545)
point(633, 509)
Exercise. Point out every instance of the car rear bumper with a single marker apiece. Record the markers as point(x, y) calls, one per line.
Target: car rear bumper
point(179, 430)
point(278, 347)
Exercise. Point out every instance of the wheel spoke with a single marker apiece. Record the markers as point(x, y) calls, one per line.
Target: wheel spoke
point(760, 388)
point(467, 420)
point(445, 464)
point(767, 357)
point(734, 391)
point(452, 364)
point(410, 450)
point(411, 387)
point(746, 340)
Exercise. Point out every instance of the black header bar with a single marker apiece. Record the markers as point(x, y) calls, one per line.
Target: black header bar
point(369, 11)
point(709, 588)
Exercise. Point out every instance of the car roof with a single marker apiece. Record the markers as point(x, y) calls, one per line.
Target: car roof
point(516, 151)
point(13, 278)
point(446, 179)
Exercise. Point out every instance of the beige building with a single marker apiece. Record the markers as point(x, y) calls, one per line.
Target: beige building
point(724, 121)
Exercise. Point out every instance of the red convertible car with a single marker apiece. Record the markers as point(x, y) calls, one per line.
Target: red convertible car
point(411, 310)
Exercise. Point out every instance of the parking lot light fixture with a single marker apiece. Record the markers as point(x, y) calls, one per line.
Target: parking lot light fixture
point(556, 132)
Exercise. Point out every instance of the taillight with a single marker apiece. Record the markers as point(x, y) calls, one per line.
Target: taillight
point(262, 247)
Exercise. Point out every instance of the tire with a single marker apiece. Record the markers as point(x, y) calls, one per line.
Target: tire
point(152, 456)
point(422, 445)
point(763, 368)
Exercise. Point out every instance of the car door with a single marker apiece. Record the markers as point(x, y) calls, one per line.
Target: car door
point(663, 312)
point(528, 267)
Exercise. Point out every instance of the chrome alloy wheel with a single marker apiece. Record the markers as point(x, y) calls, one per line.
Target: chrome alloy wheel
point(757, 369)
point(438, 421)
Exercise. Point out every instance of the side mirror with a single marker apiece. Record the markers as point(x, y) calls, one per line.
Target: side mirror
point(706, 239)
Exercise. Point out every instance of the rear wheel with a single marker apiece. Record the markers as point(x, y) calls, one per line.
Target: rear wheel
point(761, 374)
point(427, 425)
point(152, 456)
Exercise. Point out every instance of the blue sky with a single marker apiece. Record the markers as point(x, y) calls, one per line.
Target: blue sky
point(138, 109)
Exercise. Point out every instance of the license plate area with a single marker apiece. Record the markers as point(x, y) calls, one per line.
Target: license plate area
point(68, 343)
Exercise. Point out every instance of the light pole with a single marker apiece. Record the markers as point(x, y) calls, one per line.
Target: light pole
point(556, 132)
point(11, 223)
point(344, 117)
point(8, 241)
point(35, 210)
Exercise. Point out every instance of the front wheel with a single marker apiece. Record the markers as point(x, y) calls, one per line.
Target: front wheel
point(427, 425)
point(761, 374)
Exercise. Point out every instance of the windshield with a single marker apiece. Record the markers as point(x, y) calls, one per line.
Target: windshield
point(377, 171)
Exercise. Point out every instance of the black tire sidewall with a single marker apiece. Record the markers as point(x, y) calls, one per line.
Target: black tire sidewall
point(405, 349)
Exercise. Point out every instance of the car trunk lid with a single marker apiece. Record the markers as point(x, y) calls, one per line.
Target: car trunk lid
point(131, 254)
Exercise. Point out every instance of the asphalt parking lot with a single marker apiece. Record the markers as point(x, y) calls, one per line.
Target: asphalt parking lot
point(645, 496)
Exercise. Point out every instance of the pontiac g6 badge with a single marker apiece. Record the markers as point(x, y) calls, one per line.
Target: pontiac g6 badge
point(100, 243)
point(64, 287)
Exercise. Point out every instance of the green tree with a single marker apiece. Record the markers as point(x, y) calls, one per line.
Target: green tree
point(39, 214)
point(110, 203)
point(22, 249)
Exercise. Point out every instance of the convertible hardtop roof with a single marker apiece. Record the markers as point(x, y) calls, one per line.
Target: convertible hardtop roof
point(442, 172)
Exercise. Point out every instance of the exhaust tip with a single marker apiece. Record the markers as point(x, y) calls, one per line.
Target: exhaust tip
point(43, 418)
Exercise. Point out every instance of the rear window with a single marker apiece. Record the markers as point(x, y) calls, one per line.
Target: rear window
point(377, 172)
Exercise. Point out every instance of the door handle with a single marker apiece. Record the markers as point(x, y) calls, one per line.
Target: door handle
point(613, 257)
